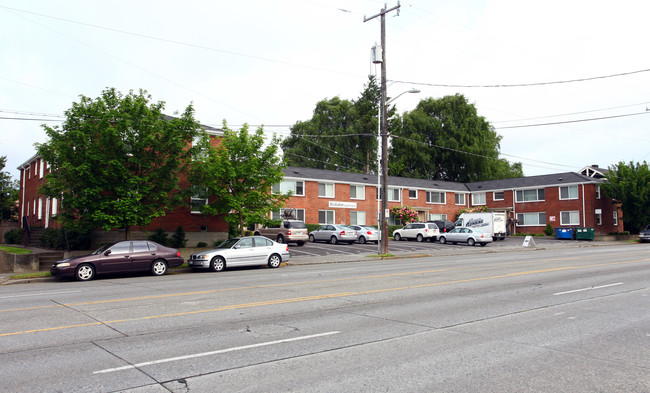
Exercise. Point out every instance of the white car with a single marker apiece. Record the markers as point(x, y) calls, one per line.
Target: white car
point(241, 251)
point(366, 234)
point(419, 231)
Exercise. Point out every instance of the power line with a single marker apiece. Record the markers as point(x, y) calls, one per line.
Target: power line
point(573, 121)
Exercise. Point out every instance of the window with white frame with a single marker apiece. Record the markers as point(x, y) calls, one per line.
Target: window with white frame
point(198, 199)
point(200, 155)
point(532, 195)
point(326, 217)
point(615, 216)
point(598, 191)
point(442, 217)
point(531, 219)
point(297, 188)
point(599, 218)
point(357, 218)
point(569, 192)
point(460, 198)
point(34, 207)
point(394, 195)
point(478, 198)
point(326, 190)
point(570, 217)
point(413, 194)
point(40, 173)
point(40, 208)
point(497, 196)
point(55, 207)
point(435, 197)
point(299, 214)
point(357, 192)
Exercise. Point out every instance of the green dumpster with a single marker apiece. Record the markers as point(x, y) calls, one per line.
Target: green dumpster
point(584, 233)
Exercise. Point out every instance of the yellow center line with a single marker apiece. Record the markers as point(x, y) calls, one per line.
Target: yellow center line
point(324, 296)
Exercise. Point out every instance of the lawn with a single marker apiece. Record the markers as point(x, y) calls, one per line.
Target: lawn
point(15, 250)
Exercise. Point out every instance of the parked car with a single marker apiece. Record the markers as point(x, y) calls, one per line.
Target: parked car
point(471, 236)
point(241, 251)
point(287, 231)
point(333, 234)
point(119, 257)
point(644, 235)
point(419, 231)
point(366, 234)
point(444, 225)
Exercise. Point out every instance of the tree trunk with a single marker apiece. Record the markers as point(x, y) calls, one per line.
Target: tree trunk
point(127, 232)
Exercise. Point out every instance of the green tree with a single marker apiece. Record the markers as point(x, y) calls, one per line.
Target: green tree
point(237, 177)
point(446, 139)
point(341, 135)
point(629, 184)
point(8, 194)
point(117, 161)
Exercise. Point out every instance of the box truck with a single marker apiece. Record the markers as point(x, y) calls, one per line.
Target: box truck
point(493, 223)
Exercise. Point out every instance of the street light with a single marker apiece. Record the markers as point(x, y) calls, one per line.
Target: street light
point(382, 166)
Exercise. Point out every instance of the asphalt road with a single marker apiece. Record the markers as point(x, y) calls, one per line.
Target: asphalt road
point(553, 320)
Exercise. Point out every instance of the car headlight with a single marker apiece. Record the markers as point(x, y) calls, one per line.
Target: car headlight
point(201, 256)
point(63, 264)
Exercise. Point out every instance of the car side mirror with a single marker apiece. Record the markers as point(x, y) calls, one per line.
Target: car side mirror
point(107, 252)
point(237, 247)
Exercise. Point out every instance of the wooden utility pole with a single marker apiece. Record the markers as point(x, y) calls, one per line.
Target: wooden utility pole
point(383, 226)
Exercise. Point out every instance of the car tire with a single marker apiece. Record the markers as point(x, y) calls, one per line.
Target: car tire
point(159, 267)
point(471, 242)
point(362, 239)
point(274, 261)
point(419, 238)
point(279, 239)
point(300, 244)
point(256, 233)
point(333, 240)
point(84, 272)
point(217, 264)
point(312, 239)
point(442, 240)
point(483, 244)
point(397, 237)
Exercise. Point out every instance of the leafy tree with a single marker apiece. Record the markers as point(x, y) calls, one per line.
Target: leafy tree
point(445, 139)
point(341, 135)
point(8, 194)
point(629, 184)
point(237, 177)
point(117, 160)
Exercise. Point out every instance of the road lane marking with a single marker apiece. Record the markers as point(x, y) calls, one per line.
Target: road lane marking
point(589, 288)
point(217, 352)
point(38, 294)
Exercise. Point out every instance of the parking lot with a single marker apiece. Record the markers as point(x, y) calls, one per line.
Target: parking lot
point(326, 249)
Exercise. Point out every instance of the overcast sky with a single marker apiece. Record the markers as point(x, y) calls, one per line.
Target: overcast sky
point(586, 64)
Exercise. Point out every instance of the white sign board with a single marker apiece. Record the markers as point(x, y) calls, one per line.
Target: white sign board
point(344, 205)
point(528, 241)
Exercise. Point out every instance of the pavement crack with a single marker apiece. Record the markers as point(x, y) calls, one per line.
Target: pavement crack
point(90, 317)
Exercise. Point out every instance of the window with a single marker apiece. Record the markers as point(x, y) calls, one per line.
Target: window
point(246, 242)
point(413, 194)
point(598, 191)
point(202, 154)
point(326, 190)
point(262, 242)
point(435, 197)
point(295, 187)
point(196, 203)
point(140, 246)
point(569, 192)
point(357, 218)
point(55, 207)
point(497, 196)
point(570, 218)
point(326, 217)
point(357, 192)
point(40, 208)
point(615, 214)
point(460, 199)
point(441, 217)
point(478, 199)
point(531, 219)
point(121, 248)
point(599, 219)
point(534, 195)
point(299, 214)
point(34, 207)
point(42, 169)
point(394, 195)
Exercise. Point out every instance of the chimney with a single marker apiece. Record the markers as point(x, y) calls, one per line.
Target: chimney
point(594, 165)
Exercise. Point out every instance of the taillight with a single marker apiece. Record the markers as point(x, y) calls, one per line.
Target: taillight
point(342, 232)
point(369, 233)
point(289, 232)
point(287, 248)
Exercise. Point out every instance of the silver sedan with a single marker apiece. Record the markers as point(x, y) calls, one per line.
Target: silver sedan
point(366, 234)
point(470, 236)
point(333, 234)
point(241, 251)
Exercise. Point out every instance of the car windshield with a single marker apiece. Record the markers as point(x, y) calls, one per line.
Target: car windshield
point(297, 224)
point(102, 249)
point(228, 243)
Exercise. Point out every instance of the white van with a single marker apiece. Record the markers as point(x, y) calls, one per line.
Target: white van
point(493, 223)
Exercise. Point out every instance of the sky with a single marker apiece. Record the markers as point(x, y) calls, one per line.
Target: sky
point(562, 82)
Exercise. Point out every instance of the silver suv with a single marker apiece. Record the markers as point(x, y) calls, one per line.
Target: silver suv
point(417, 230)
point(287, 231)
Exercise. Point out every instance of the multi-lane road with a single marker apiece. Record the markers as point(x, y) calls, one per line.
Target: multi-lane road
point(552, 320)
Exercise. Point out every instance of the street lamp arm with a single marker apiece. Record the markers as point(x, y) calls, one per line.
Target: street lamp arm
point(401, 94)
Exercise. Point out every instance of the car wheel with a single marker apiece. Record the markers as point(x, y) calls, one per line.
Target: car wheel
point(442, 240)
point(471, 242)
point(85, 272)
point(274, 261)
point(362, 239)
point(300, 244)
point(419, 238)
point(312, 238)
point(397, 237)
point(483, 244)
point(333, 240)
point(280, 239)
point(159, 267)
point(217, 264)
point(256, 233)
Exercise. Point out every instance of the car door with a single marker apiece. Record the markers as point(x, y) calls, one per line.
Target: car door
point(322, 232)
point(406, 231)
point(453, 235)
point(243, 253)
point(142, 255)
point(116, 259)
point(263, 248)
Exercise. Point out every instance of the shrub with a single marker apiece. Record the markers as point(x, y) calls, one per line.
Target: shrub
point(312, 227)
point(201, 244)
point(62, 239)
point(13, 236)
point(178, 239)
point(159, 236)
point(392, 228)
point(548, 230)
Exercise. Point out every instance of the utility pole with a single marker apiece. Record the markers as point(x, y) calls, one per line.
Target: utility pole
point(383, 227)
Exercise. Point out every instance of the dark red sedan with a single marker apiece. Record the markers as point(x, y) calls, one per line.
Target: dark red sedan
point(120, 257)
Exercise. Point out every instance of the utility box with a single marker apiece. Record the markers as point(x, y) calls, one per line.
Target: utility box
point(376, 54)
point(584, 233)
point(564, 233)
